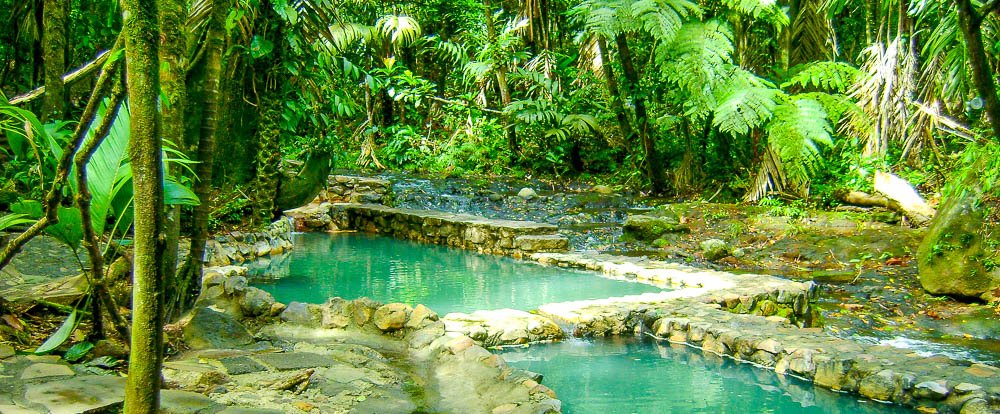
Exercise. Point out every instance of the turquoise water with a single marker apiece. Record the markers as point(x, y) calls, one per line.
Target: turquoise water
point(632, 375)
point(352, 265)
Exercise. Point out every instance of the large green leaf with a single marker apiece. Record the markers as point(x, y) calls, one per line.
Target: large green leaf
point(60, 335)
point(105, 168)
point(11, 220)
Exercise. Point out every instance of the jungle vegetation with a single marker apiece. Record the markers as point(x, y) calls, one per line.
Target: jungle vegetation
point(147, 120)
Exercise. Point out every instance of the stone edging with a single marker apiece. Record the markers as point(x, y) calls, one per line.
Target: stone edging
point(747, 317)
point(239, 247)
point(504, 237)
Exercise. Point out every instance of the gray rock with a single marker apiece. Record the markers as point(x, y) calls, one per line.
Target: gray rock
point(46, 370)
point(930, 390)
point(650, 228)
point(234, 285)
point(881, 386)
point(602, 189)
point(90, 393)
point(420, 317)
point(302, 314)
point(966, 388)
point(6, 351)
point(184, 402)
point(978, 406)
point(256, 302)
point(527, 193)
point(211, 329)
point(715, 249)
point(392, 317)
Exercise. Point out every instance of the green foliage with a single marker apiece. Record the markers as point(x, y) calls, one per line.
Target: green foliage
point(796, 133)
point(827, 76)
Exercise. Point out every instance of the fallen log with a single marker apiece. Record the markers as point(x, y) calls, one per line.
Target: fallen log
point(895, 195)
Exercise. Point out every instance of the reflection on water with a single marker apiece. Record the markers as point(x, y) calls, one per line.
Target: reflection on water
point(640, 375)
point(352, 265)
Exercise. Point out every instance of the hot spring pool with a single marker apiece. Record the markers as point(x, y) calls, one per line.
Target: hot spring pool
point(642, 375)
point(607, 376)
point(352, 265)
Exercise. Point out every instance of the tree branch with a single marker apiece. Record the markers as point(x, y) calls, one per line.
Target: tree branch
point(68, 78)
point(54, 197)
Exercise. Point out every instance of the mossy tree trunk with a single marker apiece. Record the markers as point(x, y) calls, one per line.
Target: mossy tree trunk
point(971, 23)
point(173, 72)
point(215, 43)
point(142, 36)
point(55, 19)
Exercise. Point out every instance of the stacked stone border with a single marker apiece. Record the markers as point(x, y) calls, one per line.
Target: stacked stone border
point(355, 189)
point(501, 237)
point(750, 318)
point(238, 247)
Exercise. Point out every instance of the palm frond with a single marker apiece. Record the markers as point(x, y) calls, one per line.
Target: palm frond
point(398, 29)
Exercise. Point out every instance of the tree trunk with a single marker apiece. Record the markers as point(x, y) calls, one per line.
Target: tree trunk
point(502, 83)
point(612, 83)
point(191, 274)
point(971, 25)
point(142, 36)
point(55, 21)
point(173, 73)
point(654, 165)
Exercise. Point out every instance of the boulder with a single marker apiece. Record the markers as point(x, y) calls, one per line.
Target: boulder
point(956, 256)
point(643, 227)
point(392, 317)
point(602, 189)
point(527, 193)
point(715, 249)
point(256, 302)
point(302, 314)
point(208, 329)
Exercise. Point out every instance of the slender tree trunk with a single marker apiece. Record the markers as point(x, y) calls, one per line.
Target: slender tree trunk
point(55, 21)
point(173, 73)
point(142, 36)
point(654, 165)
point(502, 83)
point(191, 274)
point(612, 82)
point(971, 25)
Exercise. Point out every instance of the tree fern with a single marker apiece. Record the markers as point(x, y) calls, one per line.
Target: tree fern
point(767, 10)
point(827, 76)
point(796, 132)
point(699, 54)
point(744, 106)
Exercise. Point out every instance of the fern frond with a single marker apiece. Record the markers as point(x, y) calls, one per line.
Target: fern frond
point(796, 132)
point(664, 18)
point(827, 76)
point(699, 53)
point(743, 109)
point(766, 10)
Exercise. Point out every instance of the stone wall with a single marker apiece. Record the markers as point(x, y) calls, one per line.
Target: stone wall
point(238, 247)
point(353, 189)
point(507, 237)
